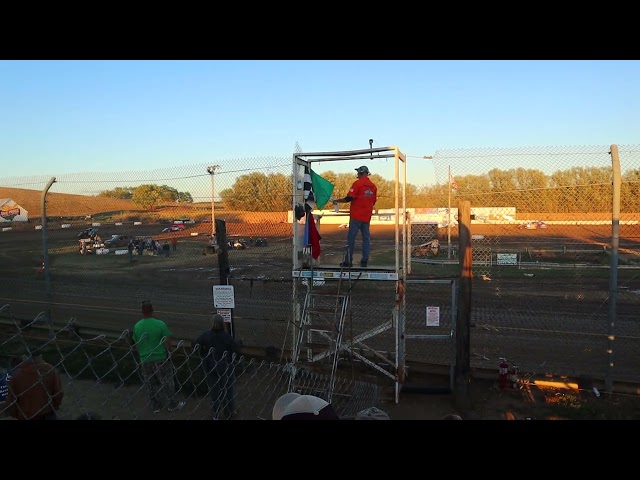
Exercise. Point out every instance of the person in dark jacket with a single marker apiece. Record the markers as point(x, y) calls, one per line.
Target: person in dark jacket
point(35, 390)
point(219, 352)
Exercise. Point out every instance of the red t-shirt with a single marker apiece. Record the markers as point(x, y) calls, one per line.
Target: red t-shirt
point(364, 194)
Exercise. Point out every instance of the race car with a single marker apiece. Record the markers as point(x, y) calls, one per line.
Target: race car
point(88, 233)
point(173, 228)
point(239, 244)
point(533, 225)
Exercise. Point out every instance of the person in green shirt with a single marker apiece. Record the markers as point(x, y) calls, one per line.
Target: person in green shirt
point(152, 339)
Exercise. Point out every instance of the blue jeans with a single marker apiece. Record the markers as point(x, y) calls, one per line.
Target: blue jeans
point(356, 226)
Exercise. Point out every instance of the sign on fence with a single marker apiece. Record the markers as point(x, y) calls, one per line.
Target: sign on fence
point(433, 316)
point(223, 296)
point(226, 314)
point(507, 259)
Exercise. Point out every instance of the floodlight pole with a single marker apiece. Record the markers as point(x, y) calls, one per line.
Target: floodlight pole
point(211, 169)
point(46, 262)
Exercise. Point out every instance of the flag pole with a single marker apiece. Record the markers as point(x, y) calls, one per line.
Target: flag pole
point(449, 218)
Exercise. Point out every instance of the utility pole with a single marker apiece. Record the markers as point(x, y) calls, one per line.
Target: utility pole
point(449, 217)
point(463, 346)
point(212, 172)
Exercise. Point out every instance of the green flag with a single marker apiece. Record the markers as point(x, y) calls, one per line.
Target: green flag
point(322, 189)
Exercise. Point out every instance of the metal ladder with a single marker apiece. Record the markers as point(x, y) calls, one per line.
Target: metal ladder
point(320, 333)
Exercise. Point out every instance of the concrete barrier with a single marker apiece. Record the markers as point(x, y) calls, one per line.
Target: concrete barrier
point(137, 223)
point(6, 229)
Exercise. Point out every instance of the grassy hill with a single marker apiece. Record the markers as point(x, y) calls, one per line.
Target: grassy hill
point(62, 204)
point(68, 205)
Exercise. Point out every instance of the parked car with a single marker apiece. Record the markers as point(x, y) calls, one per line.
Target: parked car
point(117, 241)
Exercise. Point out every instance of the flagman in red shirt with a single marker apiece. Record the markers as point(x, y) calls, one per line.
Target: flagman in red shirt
point(362, 196)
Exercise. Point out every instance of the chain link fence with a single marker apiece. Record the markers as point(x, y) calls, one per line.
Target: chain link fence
point(542, 244)
point(541, 233)
point(102, 379)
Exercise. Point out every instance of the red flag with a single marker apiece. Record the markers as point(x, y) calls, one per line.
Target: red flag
point(314, 238)
point(453, 183)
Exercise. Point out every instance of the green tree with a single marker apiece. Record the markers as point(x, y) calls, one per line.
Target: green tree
point(184, 197)
point(630, 191)
point(258, 192)
point(125, 193)
point(148, 196)
point(165, 193)
point(168, 194)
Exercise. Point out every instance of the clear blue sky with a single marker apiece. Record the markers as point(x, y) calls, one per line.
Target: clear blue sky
point(59, 117)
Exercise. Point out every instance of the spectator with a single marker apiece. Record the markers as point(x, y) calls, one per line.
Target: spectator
point(152, 339)
point(281, 403)
point(174, 244)
point(293, 406)
point(35, 390)
point(363, 195)
point(218, 350)
point(166, 248)
point(130, 247)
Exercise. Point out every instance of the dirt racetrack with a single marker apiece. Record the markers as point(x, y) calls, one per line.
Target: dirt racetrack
point(553, 321)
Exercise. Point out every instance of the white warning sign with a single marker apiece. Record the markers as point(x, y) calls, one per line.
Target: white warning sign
point(223, 296)
point(433, 316)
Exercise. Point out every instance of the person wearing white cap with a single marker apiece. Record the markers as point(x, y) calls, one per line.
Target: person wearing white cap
point(362, 195)
point(293, 406)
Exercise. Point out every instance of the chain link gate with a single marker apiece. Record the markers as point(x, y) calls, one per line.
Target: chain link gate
point(482, 256)
point(431, 307)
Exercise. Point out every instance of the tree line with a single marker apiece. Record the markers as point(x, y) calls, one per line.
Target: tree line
point(577, 189)
point(148, 196)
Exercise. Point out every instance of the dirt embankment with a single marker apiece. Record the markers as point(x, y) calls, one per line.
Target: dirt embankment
point(68, 205)
point(591, 216)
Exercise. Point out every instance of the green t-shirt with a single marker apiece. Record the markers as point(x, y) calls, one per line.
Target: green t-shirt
point(149, 335)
